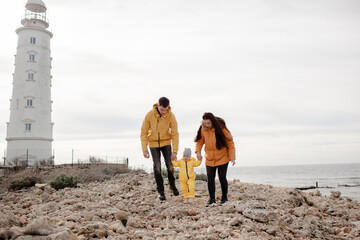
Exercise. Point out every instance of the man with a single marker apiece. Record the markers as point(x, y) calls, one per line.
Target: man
point(158, 130)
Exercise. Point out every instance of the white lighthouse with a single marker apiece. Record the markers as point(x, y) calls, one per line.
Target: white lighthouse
point(29, 131)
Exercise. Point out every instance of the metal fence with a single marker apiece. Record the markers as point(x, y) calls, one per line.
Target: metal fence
point(33, 157)
point(104, 159)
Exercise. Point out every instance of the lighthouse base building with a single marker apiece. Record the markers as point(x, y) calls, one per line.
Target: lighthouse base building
point(29, 130)
point(29, 152)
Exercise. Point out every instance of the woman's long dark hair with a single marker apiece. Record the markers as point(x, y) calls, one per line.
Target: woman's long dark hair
point(218, 124)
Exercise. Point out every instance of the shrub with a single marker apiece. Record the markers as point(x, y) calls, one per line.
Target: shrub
point(164, 172)
point(45, 162)
point(63, 181)
point(84, 166)
point(122, 170)
point(106, 171)
point(102, 178)
point(23, 183)
point(112, 171)
point(18, 162)
point(201, 177)
point(142, 171)
point(95, 160)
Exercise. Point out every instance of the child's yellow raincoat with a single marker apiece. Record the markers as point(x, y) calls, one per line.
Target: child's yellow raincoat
point(187, 175)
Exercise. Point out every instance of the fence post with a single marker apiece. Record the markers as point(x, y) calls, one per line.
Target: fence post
point(4, 156)
point(53, 158)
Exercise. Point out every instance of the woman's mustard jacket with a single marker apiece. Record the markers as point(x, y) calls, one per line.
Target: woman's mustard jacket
point(215, 157)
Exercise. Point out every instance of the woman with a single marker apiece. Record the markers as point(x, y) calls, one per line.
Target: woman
point(219, 151)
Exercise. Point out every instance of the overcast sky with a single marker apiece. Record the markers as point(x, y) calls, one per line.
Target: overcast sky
point(284, 74)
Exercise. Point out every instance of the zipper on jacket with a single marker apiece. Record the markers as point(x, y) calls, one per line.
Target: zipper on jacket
point(157, 124)
point(187, 174)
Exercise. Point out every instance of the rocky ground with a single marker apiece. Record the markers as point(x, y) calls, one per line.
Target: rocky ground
point(127, 207)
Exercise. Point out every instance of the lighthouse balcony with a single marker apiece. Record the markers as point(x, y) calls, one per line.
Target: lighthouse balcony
point(31, 18)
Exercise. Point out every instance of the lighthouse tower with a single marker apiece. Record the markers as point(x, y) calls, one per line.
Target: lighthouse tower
point(29, 130)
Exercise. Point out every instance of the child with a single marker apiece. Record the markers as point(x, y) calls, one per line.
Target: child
point(187, 175)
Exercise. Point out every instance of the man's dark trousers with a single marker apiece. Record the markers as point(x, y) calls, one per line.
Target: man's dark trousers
point(156, 155)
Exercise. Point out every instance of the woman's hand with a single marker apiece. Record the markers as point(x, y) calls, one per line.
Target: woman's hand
point(232, 161)
point(198, 156)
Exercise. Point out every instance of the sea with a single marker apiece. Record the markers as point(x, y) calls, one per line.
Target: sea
point(328, 177)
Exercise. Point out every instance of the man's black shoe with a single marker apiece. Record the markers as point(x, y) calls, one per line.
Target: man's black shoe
point(162, 197)
point(175, 191)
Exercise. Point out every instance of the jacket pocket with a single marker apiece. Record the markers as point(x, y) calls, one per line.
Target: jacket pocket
point(165, 135)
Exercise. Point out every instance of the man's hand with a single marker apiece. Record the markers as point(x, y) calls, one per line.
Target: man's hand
point(198, 156)
point(174, 156)
point(146, 154)
point(233, 161)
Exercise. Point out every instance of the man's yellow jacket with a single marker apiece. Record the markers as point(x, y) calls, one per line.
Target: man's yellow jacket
point(159, 130)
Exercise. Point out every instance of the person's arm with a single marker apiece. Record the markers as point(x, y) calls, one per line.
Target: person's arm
point(196, 162)
point(231, 146)
point(198, 146)
point(143, 136)
point(174, 136)
point(176, 163)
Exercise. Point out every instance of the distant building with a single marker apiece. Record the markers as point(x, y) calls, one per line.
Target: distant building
point(29, 130)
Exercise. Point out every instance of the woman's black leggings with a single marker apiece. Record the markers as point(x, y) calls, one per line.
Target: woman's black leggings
point(211, 172)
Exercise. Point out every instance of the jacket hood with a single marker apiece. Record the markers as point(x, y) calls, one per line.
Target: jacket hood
point(157, 114)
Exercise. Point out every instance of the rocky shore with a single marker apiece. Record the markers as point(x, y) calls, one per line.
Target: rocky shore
point(127, 207)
